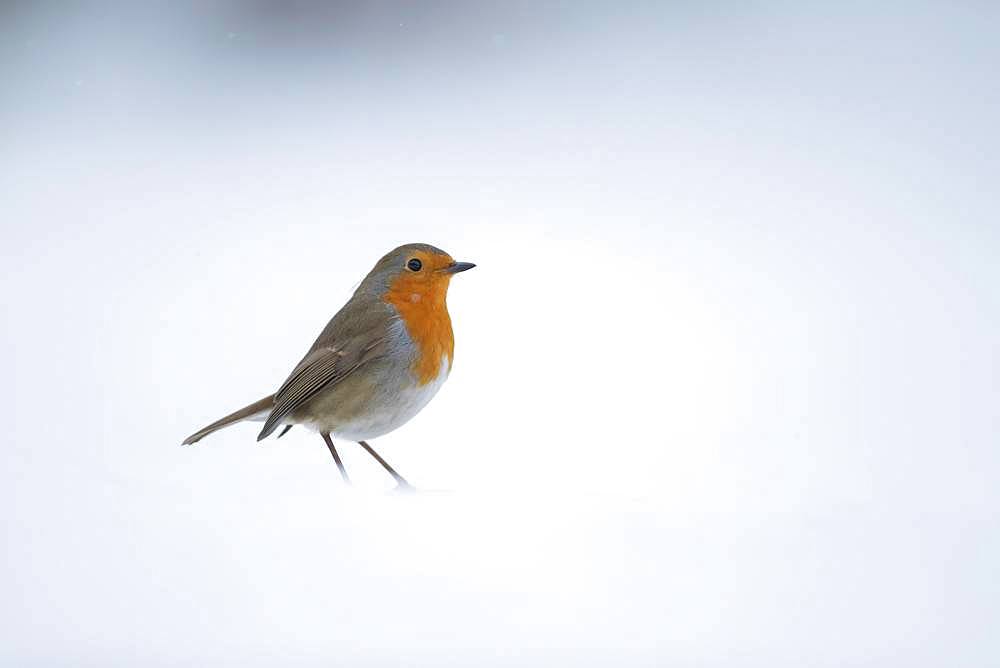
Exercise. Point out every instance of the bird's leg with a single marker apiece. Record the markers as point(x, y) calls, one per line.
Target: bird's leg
point(336, 457)
point(400, 480)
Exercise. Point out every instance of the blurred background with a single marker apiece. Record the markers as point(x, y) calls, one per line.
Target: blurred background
point(725, 386)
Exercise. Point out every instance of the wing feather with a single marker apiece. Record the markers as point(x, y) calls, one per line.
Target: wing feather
point(319, 369)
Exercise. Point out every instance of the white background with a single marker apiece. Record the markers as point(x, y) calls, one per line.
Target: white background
point(725, 387)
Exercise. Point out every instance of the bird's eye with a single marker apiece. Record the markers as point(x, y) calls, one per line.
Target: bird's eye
point(414, 264)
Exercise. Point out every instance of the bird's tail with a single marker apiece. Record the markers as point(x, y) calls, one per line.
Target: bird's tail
point(258, 410)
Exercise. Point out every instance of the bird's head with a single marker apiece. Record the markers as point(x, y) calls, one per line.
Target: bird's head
point(414, 273)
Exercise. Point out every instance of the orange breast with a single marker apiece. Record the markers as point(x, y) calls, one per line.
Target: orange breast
point(423, 308)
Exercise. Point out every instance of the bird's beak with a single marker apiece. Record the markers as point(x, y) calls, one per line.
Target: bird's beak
point(456, 267)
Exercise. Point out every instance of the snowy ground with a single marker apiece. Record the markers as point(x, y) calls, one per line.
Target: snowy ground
point(242, 571)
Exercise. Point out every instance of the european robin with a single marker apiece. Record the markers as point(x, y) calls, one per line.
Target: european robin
point(375, 365)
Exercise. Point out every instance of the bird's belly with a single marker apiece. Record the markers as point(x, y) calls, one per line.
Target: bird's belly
point(389, 409)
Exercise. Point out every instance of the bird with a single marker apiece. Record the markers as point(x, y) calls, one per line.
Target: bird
point(381, 358)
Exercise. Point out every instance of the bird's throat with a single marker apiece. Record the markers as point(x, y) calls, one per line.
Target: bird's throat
point(424, 311)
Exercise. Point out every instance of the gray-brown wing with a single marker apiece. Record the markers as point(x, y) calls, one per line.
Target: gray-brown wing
point(319, 369)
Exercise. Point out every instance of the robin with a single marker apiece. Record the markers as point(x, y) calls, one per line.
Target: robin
point(378, 361)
